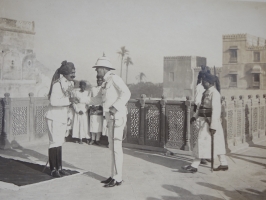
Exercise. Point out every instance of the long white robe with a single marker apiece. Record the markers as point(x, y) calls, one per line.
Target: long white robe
point(202, 149)
point(96, 119)
point(81, 123)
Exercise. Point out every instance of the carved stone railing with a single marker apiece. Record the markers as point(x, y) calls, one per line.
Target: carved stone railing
point(165, 123)
point(22, 120)
point(158, 123)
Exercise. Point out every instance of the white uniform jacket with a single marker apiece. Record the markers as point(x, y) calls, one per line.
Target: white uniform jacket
point(59, 100)
point(198, 94)
point(115, 93)
point(202, 149)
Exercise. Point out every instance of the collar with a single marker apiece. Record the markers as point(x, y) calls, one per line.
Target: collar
point(109, 73)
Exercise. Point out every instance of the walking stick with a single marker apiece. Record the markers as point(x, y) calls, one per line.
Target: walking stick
point(45, 165)
point(212, 142)
point(212, 146)
point(113, 130)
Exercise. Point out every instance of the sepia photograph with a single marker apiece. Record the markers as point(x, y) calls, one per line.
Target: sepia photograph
point(133, 99)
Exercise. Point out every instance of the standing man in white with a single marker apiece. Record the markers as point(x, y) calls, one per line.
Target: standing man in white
point(96, 114)
point(60, 96)
point(115, 95)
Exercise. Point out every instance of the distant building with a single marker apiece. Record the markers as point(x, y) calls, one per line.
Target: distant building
point(244, 62)
point(20, 72)
point(179, 77)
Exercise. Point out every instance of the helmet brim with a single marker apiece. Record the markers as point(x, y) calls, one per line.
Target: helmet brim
point(96, 66)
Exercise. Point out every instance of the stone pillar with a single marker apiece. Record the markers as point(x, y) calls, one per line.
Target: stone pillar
point(250, 116)
point(188, 135)
point(31, 117)
point(142, 119)
point(5, 136)
point(163, 103)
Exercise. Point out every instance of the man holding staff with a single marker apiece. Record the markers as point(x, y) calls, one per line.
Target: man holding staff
point(209, 114)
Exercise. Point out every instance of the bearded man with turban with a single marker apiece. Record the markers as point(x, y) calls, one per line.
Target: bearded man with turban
point(60, 98)
point(208, 115)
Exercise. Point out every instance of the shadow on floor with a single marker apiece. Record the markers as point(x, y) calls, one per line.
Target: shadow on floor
point(173, 162)
point(23, 173)
point(248, 193)
point(94, 176)
point(182, 194)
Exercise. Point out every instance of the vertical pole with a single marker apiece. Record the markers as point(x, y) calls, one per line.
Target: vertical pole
point(264, 96)
point(6, 135)
point(250, 117)
point(142, 120)
point(258, 115)
point(163, 134)
point(31, 118)
point(188, 105)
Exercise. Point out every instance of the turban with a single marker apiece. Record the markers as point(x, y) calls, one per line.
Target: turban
point(65, 69)
point(209, 78)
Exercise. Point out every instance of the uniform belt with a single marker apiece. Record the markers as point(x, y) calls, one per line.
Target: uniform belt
point(205, 112)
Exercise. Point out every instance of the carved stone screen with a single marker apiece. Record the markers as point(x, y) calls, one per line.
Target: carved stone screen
point(152, 124)
point(133, 123)
point(19, 120)
point(1, 115)
point(175, 126)
point(41, 125)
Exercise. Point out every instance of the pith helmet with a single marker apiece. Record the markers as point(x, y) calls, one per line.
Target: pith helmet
point(103, 62)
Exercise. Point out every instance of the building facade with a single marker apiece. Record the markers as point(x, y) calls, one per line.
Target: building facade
point(244, 62)
point(20, 72)
point(179, 77)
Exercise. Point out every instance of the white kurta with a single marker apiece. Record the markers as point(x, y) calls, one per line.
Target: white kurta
point(202, 149)
point(56, 114)
point(81, 122)
point(96, 117)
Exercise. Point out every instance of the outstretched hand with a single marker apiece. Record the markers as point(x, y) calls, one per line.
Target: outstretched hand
point(193, 119)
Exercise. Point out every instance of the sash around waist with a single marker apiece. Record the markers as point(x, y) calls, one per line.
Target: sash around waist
point(205, 112)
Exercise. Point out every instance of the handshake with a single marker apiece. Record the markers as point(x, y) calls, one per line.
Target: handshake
point(74, 100)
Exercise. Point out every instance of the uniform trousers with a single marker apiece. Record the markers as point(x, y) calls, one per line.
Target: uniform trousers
point(115, 145)
point(196, 161)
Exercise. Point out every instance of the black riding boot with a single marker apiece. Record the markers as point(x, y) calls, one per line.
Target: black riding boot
point(59, 162)
point(52, 162)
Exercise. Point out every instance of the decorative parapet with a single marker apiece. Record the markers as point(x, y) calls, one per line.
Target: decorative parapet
point(17, 26)
point(256, 48)
point(235, 36)
point(177, 57)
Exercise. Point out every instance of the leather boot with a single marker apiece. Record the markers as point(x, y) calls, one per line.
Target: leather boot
point(52, 158)
point(59, 162)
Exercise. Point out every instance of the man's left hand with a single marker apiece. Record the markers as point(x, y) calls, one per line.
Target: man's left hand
point(212, 131)
point(112, 110)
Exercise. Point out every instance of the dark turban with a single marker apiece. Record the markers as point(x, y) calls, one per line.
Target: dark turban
point(209, 78)
point(65, 69)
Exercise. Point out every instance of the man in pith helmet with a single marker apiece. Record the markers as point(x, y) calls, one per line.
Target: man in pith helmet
point(115, 95)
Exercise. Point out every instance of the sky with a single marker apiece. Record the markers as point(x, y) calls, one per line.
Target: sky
point(79, 31)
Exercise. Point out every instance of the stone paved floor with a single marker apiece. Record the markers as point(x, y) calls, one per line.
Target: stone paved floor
point(147, 175)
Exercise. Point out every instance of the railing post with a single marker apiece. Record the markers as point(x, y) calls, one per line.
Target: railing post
point(142, 119)
point(163, 103)
point(251, 117)
point(264, 96)
point(242, 101)
point(6, 137)
point(258, 116)
point(31, 117)
point(188, 105)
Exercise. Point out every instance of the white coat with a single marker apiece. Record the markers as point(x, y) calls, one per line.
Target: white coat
point(202, 149)
point(57, 112)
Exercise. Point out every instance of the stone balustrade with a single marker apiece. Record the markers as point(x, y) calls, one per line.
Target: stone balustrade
point(151, 123)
